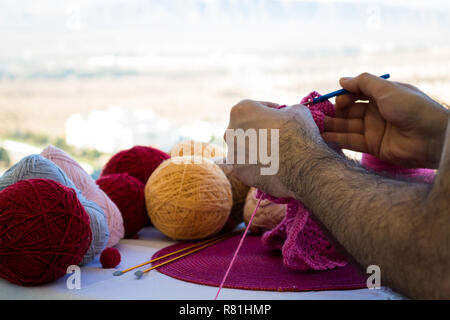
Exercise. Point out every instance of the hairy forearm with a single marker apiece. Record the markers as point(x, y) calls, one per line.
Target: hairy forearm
point(400, 226)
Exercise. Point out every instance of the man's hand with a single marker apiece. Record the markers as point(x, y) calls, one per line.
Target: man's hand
point(297, 134)
point(401, 226)
point(398, 124)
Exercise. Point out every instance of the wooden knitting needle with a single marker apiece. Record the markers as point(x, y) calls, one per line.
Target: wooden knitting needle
point(120, 272)
point(140, 273)
point(335, 93)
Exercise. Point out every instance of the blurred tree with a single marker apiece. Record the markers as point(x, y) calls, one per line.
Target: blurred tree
point(4, 157)
point(62, 144)
point(90, 156)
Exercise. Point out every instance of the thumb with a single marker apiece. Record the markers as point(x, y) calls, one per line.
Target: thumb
point(365, 85)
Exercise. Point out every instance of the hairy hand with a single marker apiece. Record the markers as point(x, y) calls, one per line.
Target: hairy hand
point(298, 136)
point(398, 123)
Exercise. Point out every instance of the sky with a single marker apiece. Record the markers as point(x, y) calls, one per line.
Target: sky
point(54, 38)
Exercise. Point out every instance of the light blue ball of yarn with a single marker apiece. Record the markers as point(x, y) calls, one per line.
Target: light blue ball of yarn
point(37, 167)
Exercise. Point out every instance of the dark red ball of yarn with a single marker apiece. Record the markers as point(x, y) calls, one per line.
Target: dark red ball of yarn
point(127, 193)
point(139, 162)
point(43, 229)
point(110, 258)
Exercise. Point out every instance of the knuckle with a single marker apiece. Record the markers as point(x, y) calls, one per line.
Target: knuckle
point(244, 102)
point(238, 108)
point(364, 76)
point(397, 85)
point(403, 85)
point(235, 111)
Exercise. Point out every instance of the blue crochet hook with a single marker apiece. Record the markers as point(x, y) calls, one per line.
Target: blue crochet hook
point(336, 93)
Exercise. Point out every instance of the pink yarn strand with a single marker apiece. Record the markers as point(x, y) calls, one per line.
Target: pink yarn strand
point(238, 248)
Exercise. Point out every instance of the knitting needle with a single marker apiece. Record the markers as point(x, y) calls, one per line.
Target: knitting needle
point(120, 272)
point(336, 93)
point(140, 273)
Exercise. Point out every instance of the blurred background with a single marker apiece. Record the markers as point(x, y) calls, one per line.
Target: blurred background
point(97, 76)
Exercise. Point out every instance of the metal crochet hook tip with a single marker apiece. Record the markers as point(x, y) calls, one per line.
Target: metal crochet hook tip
point(139, 274)
point(117, 273)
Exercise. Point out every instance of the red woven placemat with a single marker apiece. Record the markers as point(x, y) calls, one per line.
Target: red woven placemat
point(256, 268)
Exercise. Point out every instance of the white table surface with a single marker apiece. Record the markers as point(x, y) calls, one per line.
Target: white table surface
point(98, 283)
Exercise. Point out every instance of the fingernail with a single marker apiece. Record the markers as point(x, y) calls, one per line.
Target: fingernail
point(345, 78)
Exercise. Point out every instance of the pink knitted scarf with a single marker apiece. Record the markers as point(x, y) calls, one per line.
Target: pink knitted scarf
point(303, 244)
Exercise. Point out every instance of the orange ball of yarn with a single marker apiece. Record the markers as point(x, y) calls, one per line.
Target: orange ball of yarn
point(188, 198)
point(196, 148)
point(268, 215)
point(239, 192)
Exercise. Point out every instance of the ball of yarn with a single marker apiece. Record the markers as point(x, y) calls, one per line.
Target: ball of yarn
point(239, 192)
point(99, 227)
point(196, 148)
point(268, 215)
point(138, 162)
point(43, 230)
point(110, 258)
point(127, 193)
point(188, 198)
point(84, 182)
point(37, 167)
point(34, 167)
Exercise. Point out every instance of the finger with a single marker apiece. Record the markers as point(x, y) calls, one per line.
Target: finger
point(344, 125)
point(344, 100)
point(365, 84)
point(354, 111)
point(351, 141)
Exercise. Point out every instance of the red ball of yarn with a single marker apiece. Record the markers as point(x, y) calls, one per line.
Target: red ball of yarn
point(110, 258)
point(127, 193)
point(139, 162)
point(43, 229)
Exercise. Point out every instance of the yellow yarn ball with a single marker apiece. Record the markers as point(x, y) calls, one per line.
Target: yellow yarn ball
point(239, 192)
point(196, 148)
point(188, 198)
